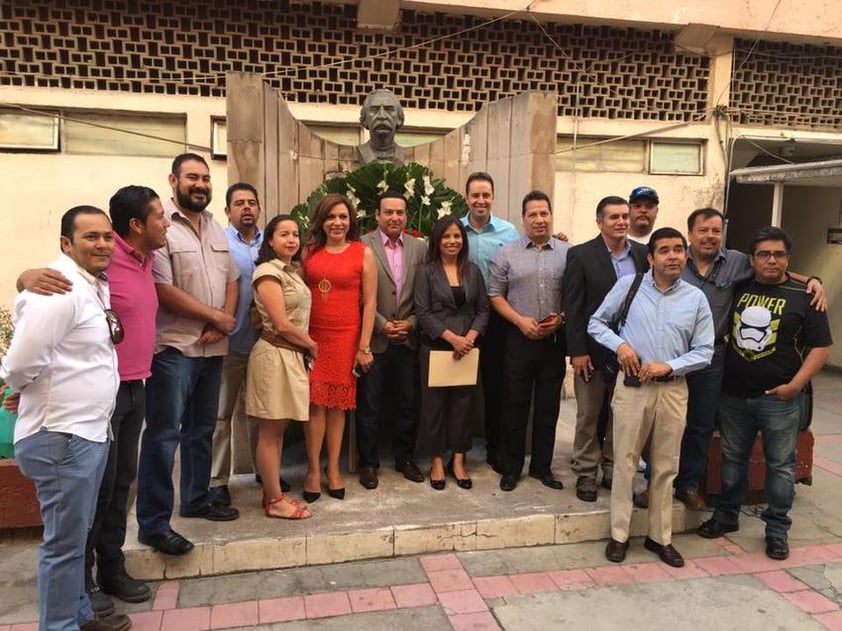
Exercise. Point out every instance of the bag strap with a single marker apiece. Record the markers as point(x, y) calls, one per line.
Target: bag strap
point(624, 312)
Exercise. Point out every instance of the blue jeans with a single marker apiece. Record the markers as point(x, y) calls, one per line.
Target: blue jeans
point(740, 420)
point(67, 471)
point(182, 395)
point(704, 387)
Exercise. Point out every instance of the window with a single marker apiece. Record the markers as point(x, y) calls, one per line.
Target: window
point(29, 131)
point(124, 134)
point(219, 138)
point(681, 158)
point(657, 157)
point(626, 156)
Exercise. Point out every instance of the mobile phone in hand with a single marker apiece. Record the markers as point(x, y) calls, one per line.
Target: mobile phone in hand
point(631, 381)
point(357, 371)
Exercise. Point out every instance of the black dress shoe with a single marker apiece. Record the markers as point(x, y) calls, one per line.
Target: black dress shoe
point(508, 483)
point(777, 548)
point(607, 483)
point(715, 527)
point(548, 480)
point(337, 494)
point(410, 472)
point(219, 495)
point(615, 551)
point(586, 488)
point(168, 542)
point(125, 587)
point(438, 485)
point(462, 483)
point(115, 622)
point(368, 477)
point(667, 553)
point(211, 512)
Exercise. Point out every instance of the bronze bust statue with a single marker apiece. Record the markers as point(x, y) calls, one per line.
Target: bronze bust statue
point(382, 115)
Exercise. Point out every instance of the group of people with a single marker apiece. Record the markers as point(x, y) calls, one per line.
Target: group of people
point(199, 329)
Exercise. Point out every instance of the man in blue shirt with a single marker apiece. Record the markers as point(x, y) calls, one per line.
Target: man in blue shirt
point(242, 207)
point(486, 235)
point(667, 334)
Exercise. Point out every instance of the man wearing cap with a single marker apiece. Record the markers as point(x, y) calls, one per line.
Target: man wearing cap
point(643, 211)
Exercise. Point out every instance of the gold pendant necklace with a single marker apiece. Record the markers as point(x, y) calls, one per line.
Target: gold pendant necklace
point(324, 288)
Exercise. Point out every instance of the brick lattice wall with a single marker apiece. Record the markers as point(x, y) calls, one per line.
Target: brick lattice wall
point(185, 48)
point(787, 85)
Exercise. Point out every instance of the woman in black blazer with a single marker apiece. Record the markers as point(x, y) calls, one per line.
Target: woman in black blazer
point(452, 310)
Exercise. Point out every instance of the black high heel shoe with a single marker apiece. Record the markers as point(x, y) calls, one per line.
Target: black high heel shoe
point(337, 494)
point(310, 496)
point(462, 483)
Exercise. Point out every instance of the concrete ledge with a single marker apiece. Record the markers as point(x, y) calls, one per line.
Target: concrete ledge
point(337, 533)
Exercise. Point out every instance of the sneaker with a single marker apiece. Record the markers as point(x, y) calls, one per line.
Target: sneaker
point(124, 587)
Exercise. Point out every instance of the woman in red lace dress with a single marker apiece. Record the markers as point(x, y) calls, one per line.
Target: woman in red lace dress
point(342, 275)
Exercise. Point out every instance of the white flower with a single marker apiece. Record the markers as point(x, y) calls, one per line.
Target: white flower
point(446, 206)
point(382, 186)
point(354, 199)
point(443, 212)
point(425, 201)
point(429, 189)
point(361, 214)
point(409, 188)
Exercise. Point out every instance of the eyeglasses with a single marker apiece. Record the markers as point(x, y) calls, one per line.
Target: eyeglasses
point(115, 326)
point(765, 255)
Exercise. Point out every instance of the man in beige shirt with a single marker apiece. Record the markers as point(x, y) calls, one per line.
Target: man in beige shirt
point(196, 279)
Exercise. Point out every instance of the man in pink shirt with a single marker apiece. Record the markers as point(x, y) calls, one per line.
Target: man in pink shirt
point(140, 227)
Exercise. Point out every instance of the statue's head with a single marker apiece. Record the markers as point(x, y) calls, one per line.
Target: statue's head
point(381, 113)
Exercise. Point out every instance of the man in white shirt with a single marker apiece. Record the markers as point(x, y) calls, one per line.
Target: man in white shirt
point(63, 362)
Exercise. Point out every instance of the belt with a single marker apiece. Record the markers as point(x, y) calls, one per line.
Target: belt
point(278, 340)
point(668, 379)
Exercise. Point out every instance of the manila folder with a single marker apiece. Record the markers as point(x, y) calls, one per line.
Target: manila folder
point(446, 371)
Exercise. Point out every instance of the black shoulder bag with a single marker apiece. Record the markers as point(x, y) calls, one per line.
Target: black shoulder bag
point(612, 364)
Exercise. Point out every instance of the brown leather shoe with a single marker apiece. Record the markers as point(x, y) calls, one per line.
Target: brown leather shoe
point(666, 553)
point(615, 551)
point(411, 472)
point(691, 499)
point(368, 477)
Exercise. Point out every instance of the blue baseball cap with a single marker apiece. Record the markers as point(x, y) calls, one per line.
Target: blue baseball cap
point(642, 192)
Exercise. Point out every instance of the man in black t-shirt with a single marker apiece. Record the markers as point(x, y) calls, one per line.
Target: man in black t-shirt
point(777, 344)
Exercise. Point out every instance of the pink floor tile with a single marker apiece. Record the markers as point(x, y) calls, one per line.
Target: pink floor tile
point(146, 620)
point(495, 586)
point(533, 582)
point(834, 550)
point(193, 618)
point(166, 596)
point(758, 562)
point(29, 626)
point(810, 555)
point(281, 609)
point(449, 580)
point(324, 605)
point(730, 546)
point(828, 465)
point(780, 581)
point(437, 562)
point(417, 595)
point(464, 601)
point(378, 599)
point(811, 602)
point(690, 570)
point(647, 572)
point(609, 575)
point(482, 621)
point(718, 566)
point(243, 614)
point(832, 620)
point(571, 579)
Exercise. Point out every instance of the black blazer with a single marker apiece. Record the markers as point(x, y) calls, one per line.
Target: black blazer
point(588, 278)
point(436, 309)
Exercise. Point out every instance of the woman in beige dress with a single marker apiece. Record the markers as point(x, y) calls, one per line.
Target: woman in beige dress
point(278, 386)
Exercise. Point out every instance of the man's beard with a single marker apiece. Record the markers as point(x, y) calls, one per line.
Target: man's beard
point(186, 202)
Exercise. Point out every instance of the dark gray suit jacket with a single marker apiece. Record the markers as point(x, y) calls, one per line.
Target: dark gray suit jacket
point(436, 309)
point(390, 306)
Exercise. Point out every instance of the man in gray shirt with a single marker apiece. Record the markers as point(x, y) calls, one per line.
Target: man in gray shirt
point(525, 281)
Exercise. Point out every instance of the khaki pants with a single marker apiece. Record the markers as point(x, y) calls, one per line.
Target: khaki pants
point(231, 414)
point(587, 453)
point(659, 409)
